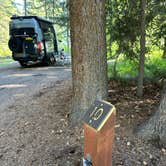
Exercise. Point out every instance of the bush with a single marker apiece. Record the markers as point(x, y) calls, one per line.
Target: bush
point(155, 65)
point(4, 51)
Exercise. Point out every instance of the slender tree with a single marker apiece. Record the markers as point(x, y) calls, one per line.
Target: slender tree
point(142, 49)
point(89, 66)
point(25, 7)
point(45, 8)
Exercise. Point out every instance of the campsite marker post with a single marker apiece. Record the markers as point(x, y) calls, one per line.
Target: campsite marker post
point(99, 123)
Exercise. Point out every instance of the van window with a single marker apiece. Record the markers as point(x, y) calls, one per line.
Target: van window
point(48, 32)
point(48, 35)
point(22, 31)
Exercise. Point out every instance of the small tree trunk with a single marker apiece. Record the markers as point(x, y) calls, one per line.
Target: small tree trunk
point(68, 32)
point(89, 63)
point(53, 14)
point(164, 50)
point(25, 7)
point(114, 67)
point(45, 8)
point(142, 51)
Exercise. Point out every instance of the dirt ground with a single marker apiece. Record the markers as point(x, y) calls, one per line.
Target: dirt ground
point(39, 133)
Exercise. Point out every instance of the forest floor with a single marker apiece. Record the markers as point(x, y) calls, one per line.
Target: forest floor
point(40, 134)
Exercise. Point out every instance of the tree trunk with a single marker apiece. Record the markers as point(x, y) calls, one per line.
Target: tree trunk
point(68, 31)
point(142, 51)
point(53, 14)
point(45, 8)
point(89, 64)
point(155, 128)
point(25, 7)
point(164, 49)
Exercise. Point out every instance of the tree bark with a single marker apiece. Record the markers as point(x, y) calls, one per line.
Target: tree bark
point(89, 63)
point(155, 128)
point(142, 49)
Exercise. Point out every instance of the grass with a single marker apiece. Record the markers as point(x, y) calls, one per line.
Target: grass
point(124, 68)
point(155, 67)
point(5, 61)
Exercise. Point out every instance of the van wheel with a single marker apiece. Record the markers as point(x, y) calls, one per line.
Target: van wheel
point(23, 64)
point(52, 60)
point(15, 44)
point(49, 60)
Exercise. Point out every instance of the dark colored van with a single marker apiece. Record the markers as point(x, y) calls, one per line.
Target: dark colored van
point(32, 39)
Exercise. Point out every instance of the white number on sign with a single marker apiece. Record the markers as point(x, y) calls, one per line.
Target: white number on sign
point(96, 113)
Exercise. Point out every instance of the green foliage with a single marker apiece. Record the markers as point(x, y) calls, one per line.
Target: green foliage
point(7, 8)
point(155, 67)
point(123, 26)
point(123, 38)
point(125, 68)
point(4, 50)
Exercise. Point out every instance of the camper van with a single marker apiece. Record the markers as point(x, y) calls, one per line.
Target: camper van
point(32, 39)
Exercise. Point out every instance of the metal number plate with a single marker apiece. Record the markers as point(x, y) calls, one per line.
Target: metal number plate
point(98, 114)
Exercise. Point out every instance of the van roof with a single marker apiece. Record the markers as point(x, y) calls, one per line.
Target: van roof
point(29, 17)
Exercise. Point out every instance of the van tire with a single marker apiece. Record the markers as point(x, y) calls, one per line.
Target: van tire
point(52, 60)
point(23, 64)
point(49, 60)
point(15, 44)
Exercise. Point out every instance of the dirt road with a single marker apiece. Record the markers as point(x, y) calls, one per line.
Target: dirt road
point(17, 83)
point(33, 116)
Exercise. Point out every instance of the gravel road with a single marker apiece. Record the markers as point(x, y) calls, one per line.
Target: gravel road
point(33, 115)
point(17, 83)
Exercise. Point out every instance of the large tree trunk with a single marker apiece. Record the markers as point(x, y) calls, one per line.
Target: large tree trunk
point(142, 47)
point(155, 128)
point(89, 66)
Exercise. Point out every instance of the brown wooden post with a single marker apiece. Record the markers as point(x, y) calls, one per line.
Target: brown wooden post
point(99, 123)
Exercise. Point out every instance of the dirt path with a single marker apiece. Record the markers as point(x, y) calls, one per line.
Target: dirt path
point(17, 83)
point(33, 116)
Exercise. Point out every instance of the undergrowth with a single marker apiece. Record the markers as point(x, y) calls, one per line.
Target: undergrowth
point(127, 69)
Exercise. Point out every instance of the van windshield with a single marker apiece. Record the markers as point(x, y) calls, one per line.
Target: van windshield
point(22, 31)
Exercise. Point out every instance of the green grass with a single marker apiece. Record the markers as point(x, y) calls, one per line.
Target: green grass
point(124, 68)
point(155, 67)
point(5, 61)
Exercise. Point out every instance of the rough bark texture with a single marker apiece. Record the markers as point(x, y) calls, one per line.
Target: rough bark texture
point(142, 51)
point(89, 67)
point(155, 128)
